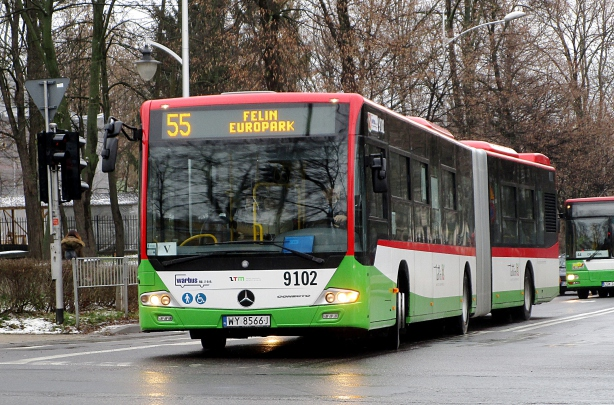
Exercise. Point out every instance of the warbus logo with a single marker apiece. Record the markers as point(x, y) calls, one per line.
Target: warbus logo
point(577, 265)
point(246, 298)
point(183, 280)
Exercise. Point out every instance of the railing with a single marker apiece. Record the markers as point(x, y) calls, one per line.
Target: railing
point(13, 232)
point(103, 272)
point(104, 232)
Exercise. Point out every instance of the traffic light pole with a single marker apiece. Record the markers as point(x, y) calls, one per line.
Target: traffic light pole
point(55, 224)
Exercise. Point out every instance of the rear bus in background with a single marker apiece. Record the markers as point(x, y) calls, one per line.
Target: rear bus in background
point(589, 249)
point(297, 214)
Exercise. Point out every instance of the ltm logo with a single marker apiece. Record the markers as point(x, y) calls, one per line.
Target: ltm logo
point(237, 278)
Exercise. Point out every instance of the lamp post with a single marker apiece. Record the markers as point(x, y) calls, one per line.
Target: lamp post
point(508, 17)
point(147, 65)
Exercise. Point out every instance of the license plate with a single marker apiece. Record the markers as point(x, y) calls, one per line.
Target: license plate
point(247, 321)
point(607, 283)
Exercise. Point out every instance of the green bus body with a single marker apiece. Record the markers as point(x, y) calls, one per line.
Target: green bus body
point(589, 249)
point(292, 214)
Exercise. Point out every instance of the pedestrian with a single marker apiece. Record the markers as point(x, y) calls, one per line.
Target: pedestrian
point(72, 245)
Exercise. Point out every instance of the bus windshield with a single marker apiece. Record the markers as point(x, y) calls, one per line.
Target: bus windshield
point(590, 238)
point(249, 196)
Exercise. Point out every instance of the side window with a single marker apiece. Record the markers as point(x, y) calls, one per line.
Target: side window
point(509, 212)
point(448, 189)
point(526, 213)
point(399, 179)
point(376, 202)
point(419, 182)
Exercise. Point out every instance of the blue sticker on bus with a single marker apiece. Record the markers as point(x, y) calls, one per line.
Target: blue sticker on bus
point(303, 244)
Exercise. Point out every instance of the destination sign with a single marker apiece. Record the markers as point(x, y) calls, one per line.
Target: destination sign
point(246, 121)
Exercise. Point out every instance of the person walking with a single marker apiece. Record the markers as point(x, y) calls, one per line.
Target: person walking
point(72, 245)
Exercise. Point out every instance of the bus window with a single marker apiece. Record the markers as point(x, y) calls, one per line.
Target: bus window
point(399, 179)
point(526, 214)
point(508, 207)
point(419, 176)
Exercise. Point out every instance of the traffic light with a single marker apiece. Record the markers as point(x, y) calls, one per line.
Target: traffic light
point(71, 163)
point(61, 149)
point(43, 144)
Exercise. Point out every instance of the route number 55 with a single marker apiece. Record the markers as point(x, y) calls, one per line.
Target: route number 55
point(178, 124)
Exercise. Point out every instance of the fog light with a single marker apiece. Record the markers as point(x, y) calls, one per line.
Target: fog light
point(165, 318)
point(330, 316)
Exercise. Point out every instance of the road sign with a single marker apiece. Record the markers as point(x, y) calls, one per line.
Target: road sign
point(55, 93)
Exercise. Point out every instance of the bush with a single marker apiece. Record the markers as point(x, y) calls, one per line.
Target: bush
point(26, 286)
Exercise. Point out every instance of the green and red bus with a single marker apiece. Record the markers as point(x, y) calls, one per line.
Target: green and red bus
point(296, 213)
point(589, 249)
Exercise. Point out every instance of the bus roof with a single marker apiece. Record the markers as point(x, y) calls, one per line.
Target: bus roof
point(503, 150)
point(252, 97)
point(589, 200)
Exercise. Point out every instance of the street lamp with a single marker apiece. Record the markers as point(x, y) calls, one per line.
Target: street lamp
point(508, 17)
point(147, 65)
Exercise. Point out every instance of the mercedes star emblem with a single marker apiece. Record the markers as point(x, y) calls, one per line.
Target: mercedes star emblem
point(246, 298)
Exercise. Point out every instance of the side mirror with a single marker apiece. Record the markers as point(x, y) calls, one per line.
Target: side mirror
point(109, 155)
point(109, 144)
point(377, 162)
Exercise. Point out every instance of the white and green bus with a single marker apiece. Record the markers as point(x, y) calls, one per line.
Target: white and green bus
point(296, 214)
point(589, 249)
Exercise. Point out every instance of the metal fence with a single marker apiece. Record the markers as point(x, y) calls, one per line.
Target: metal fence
point(13, 231)
point(103, 272)
point(104, 232)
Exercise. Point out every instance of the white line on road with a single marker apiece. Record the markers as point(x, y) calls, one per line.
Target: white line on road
point(543, 324)
point(61, 356)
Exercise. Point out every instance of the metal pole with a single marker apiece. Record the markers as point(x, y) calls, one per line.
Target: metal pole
point(55, 224)
point(76, 286)
point(185, 54)
point(125, 297)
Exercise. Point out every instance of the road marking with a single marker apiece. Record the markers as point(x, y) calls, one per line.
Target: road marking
point(543, 324)
point(61, 356)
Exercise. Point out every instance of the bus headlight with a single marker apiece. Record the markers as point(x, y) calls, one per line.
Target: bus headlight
point(572, 277)
point(158, 299)
point(337, 296)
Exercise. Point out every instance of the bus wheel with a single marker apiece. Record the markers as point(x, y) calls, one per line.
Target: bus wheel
point(603, 293)
point(393, 337)
point(583, 294)
point(461, 323)
point(523, 313)
point(213, 342)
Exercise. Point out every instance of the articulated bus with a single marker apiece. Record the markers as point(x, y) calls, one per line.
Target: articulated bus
point(589, 249)
point(295, 214)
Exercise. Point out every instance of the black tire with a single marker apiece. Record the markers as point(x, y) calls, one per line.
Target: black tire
point(583, 294)
point(603, 293)
point(523, 313)
point(392, 340)
point(460, 323)
point(213, 342)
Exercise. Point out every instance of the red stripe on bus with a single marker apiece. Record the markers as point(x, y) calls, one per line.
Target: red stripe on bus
point(427, 247)
point(551, 252)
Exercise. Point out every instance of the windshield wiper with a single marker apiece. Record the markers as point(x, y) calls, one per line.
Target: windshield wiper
point(593, 255)
point(304, 255)
point(270, 242)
